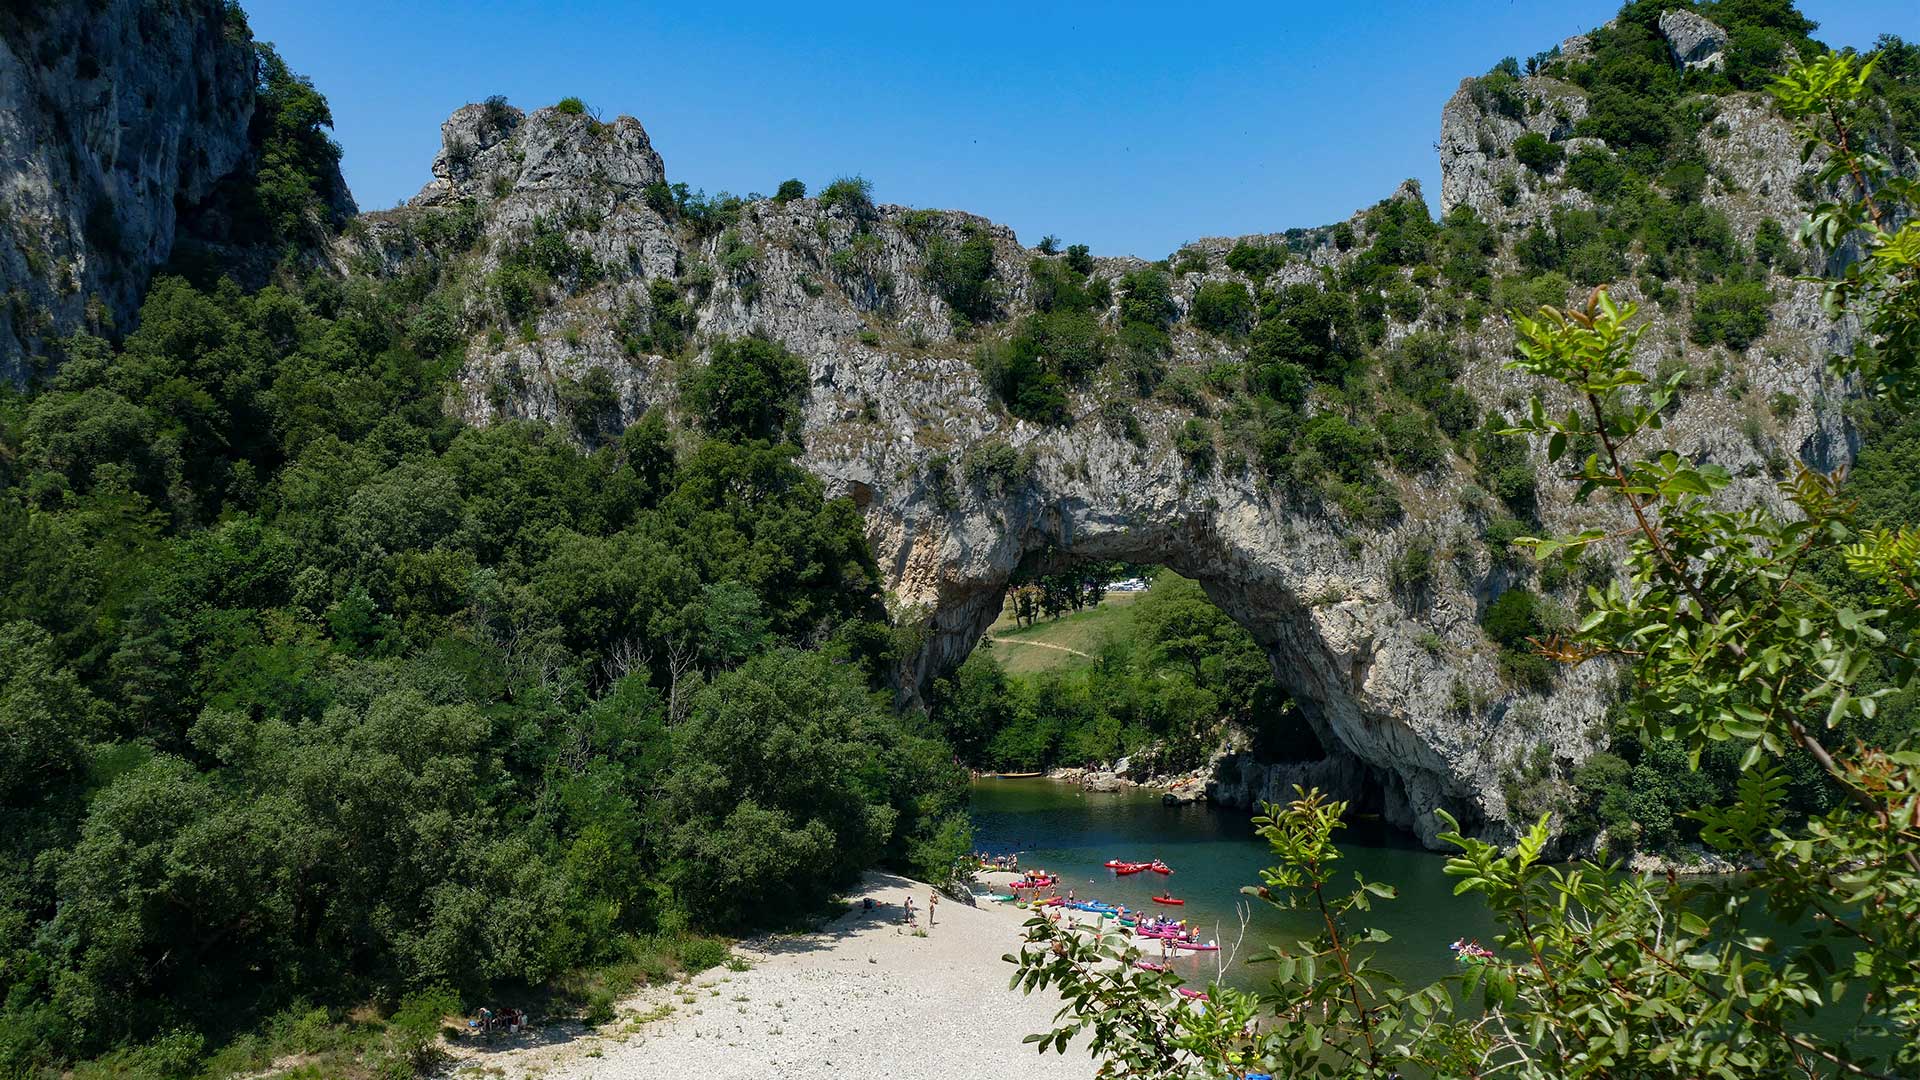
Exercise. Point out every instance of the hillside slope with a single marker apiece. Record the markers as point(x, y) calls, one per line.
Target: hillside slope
point(1319, 455)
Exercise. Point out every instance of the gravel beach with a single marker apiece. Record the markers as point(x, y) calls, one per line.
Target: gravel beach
point(862, 997)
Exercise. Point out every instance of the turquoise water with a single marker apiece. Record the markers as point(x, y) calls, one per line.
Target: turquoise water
point(1213, 853)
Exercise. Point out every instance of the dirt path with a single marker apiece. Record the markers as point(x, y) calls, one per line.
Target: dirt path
point(1039, 645)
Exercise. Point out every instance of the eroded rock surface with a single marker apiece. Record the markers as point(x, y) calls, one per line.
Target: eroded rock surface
point(1401, 686)
point(113, 115)
point(1697, 44)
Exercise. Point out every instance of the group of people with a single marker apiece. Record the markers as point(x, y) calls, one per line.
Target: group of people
point(508, 1020)
point(911, 915)
point(998, 862)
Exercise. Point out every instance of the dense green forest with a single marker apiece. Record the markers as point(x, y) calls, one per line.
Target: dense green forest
point(316, 696)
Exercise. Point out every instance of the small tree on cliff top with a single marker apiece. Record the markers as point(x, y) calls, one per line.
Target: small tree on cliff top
point(1728, 639)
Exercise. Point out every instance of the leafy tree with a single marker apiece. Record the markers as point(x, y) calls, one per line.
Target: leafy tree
point(1222, 307)
point(750, 388)
point(854, 193)
point(1537, 152)
point(1257, 261)
point(1146, 297)
point(789, 191)
point(963, 275)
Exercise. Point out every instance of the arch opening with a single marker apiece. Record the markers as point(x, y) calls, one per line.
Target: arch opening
point(1257, 755)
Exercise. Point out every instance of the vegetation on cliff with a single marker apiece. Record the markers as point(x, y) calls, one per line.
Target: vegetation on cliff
point(317, 696)
point(1781, 635)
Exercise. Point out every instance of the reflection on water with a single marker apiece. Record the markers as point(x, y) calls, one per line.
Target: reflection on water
point(1213, 853)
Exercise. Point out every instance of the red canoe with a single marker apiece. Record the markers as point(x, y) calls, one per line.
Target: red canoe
point(1167, 900)
point(1159, 867)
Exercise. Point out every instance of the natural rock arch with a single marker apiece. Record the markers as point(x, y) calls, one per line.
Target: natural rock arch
point(1405, 691)
point(1350, 650)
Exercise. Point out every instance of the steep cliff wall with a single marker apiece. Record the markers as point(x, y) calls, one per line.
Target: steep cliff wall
point(113, 117)
point(1404, 688)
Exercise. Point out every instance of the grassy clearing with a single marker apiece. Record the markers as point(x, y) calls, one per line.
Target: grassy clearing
point(1057, 644)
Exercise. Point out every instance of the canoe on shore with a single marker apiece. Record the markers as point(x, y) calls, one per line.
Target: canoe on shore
point(1017, 775)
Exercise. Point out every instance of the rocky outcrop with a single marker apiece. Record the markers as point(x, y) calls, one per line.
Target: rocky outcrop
point(1478, 127)
point(113, 116)
point(1697, 45)
point(1401, 689)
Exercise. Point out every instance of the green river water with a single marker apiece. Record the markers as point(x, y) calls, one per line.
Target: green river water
point(1213, 852)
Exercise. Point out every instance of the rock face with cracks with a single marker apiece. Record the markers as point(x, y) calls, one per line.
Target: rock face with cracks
point(113, 117)
point(1402, 688)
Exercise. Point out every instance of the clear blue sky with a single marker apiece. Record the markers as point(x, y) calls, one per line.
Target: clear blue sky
point(1129, 127)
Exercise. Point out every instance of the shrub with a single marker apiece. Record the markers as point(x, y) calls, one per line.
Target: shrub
point(1191, 261)
point(1412, 570)
point(1194, 442)
point(1686, 182)
point(702, 953)
point(572, 106)
point(1732, 313)
point(1222, 307)
point(1595, 172)
point(996, 465)
point(415, 1025)
point(1528, 294)
point(1347, 449)
point(1526, 670)
point(1772, 248)
point(855, 193)
point(592, 402)
point(1501, 533)
point(1146, 296)
point(659, 198)
point(1411, 445)
point(1513, 617)
point(789, 191)
point(1499, 91)
point(1117, 419)
point(962, 274)
point(1257, 261)
point(1080, 258)
point(1537, 152)
point(1058, 286)
point(1020, 378)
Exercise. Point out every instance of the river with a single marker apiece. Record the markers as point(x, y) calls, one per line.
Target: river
point(1213, 852)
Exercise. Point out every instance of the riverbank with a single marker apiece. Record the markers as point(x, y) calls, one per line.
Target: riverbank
point(862, 996)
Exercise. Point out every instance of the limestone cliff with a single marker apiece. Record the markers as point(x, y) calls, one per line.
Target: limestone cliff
point(112, 117)
point(124, 125)
point(1404, 692)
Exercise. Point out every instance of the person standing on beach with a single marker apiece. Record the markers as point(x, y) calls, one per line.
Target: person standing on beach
point(933, 901)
